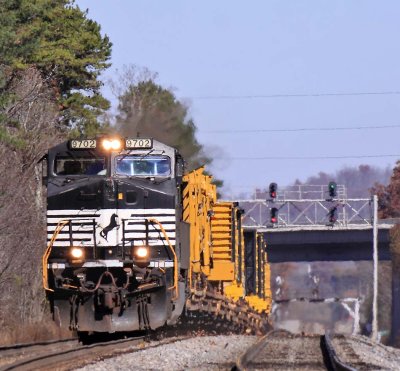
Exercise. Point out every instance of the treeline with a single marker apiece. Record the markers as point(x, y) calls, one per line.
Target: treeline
point(365, 181)
point(51, 59)
point(358, 180)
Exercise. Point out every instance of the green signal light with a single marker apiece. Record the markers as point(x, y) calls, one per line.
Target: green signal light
point(332, 189)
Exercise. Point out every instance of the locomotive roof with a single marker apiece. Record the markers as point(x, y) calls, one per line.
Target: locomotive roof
point(156, 146)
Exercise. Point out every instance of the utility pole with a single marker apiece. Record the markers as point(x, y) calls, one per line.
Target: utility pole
point(375, 266)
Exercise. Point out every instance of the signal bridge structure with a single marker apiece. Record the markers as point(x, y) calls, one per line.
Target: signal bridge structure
point(305, 207)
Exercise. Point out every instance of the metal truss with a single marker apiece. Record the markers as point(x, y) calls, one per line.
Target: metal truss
point(308, 207)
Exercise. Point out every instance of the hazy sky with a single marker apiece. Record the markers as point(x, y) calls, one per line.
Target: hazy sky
point(221, 56)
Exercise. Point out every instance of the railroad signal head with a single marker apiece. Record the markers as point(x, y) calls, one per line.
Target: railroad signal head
point(273, 187)
point(332, 215)
point(332, 189)
point(274, 215)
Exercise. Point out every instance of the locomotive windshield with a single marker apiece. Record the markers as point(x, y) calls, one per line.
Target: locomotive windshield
point(79, 165)
point(137, 165)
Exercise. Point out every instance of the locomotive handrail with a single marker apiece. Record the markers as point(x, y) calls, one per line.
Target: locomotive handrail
point(61, 224)
point(175, 286)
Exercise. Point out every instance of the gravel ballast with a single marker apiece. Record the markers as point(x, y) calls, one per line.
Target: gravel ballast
point(219, 352)
point(200, 353)
point(375, 356)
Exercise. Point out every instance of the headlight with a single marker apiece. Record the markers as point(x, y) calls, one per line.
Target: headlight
point(141, 256)
point(142, 252)
point(113, 144)
point(77, 253)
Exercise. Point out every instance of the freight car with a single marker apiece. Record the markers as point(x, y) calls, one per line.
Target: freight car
point(132, 239)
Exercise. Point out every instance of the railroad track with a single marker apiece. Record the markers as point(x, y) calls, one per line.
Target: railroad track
point(58, 355)
point(281, 350)
point(80, 355)
point(333, 361)
point(216, 311)
point(12, 353)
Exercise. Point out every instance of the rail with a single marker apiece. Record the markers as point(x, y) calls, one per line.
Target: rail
point(245, 359)
point(13, 347)
point(332, 360)
point(317, 353)
point(63, 358)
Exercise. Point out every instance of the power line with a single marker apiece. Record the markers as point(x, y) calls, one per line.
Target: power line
point(308, 157)
point(310, 95)
point(240, 131)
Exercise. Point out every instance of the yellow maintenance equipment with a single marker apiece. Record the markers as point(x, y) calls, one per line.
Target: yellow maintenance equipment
point(223, 268)
point(228, 252)
point(218, 246)
point(199, 197)
point(260, 297)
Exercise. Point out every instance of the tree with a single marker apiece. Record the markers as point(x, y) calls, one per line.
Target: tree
point(58, 39)
point(389, 207)
point(51, 56)
point(150, 110)
point(389, 196)
point(22, 216)
point(358, 180)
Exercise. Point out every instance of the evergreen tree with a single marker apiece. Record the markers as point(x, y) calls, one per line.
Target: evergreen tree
point(58, 39)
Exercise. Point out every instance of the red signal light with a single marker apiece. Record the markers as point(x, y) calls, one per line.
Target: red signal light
point(273, 187)
point(274, 215)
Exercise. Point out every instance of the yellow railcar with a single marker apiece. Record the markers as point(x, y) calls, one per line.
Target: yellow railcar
point(222, 254)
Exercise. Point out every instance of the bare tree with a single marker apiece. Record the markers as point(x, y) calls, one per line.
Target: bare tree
point(31, 121)
point(358, 180)
point(147, 109)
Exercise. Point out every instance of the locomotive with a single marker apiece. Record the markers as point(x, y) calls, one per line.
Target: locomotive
point(133, 240)
point(118, 250)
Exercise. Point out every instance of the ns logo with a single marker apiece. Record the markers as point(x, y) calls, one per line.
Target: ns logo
point(112, 224)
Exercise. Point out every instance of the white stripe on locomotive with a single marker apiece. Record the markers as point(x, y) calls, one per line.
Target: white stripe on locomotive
point(133, 219)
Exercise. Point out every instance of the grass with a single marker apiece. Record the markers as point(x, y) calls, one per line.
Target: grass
point(33, 332)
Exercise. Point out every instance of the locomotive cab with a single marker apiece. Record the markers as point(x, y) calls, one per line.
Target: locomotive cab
point(117, 253)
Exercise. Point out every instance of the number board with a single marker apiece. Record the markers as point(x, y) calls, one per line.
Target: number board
point(138, 143)
point(83, 143)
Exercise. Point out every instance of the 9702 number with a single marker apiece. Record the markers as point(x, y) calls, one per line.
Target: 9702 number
point(83, 144)
point(139, 143)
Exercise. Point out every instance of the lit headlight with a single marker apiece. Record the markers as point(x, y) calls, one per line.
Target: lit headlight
point(77, 253)
point(142, 252)
point(113, 144)
point(141, 256)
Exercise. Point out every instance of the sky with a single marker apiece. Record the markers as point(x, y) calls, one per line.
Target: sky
point(247, 68)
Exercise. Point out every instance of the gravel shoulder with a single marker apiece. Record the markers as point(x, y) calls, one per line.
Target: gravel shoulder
point(199, 353)
point(371, 355)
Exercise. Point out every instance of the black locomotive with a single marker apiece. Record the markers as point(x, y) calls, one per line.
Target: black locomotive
point(118, 251)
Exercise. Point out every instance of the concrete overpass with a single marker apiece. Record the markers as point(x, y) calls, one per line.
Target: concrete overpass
point(322, 278)
point(325, 244)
